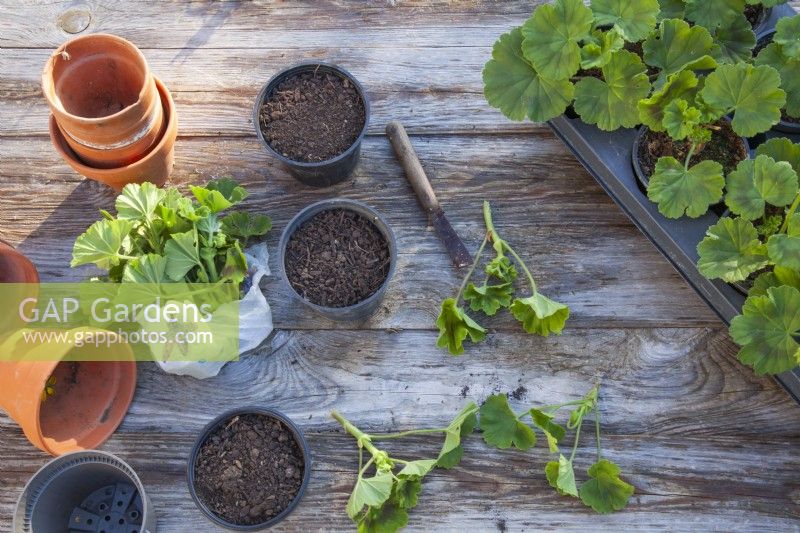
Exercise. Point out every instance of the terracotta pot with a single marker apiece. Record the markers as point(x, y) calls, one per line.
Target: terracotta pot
point(154, 167)
point(90, 399)
point(105, 99)
point(15, 267)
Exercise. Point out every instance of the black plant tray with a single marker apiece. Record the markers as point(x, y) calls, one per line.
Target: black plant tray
point(607, 156)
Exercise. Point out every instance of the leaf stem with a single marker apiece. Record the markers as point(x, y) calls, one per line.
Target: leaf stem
point(689, 155)
point(399, 434)
point(472, 268)
point(597, 430)
point(521, 263)
point(362, 438)
point(575, 444)
point(789, 213)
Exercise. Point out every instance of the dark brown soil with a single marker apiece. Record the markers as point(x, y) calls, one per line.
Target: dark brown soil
point(312, 117)
point(249, 470)
point(337, 258)
point(725, 147)
point(753, 13)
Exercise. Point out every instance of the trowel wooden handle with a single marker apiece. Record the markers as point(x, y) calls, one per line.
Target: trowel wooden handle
point(414, 172)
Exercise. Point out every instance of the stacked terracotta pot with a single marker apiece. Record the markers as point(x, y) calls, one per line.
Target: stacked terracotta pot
point(90, 398)
point(112, 120)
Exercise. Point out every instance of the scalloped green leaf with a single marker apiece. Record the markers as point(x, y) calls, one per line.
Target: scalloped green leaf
point(599, 48)
point(500, 425)
point(552, 431)
point(681, 119)
point(768, 330)
point(633, 20)
point(789, 70)
point(605, 491)
point(551, 37)
point(182, 255)
point(784, 250)
point(714, 13)
point(489, 298)
point(611, 103)
point(677, 46)
point(561, 476)
point(454, 327)
point(679, 86)
point(540, 314)
point(370, 492)
point(671, 9)
point(513, 86)
point(731, 250)
point(735, 41)
point(101, 244)
point(781, 149)
point(461, 426)
point(149, 268)
point(678, 190)
point(787, 35)
point(758, 182)
point(751, 93)
point(138, 201)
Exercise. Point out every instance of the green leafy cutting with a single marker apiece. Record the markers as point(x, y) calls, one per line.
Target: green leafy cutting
point(160, 236)
point(387, 487)
point(537, 313)
point(502, 428)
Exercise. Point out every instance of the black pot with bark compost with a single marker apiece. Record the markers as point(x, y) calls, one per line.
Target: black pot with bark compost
point(87, 491)
point(249, 469)
point(725, 147)
point(313, 117)
point(787, 124)
point(338, 257)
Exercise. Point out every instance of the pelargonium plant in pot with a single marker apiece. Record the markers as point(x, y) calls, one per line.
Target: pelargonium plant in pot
point(759, 243)
point(160, 236)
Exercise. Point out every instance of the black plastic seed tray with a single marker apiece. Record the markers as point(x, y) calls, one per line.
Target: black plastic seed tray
point(607, 156)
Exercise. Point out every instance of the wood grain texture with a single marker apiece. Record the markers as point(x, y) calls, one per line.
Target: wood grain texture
point(709, 445)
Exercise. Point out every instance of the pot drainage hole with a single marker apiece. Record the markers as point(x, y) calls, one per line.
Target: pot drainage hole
point(112, 509)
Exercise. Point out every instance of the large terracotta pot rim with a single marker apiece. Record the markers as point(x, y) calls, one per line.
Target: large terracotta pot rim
point(112, 175)
point(31, 274)
point(48, 84)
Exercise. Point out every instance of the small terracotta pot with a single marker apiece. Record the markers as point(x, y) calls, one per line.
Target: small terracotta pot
point(104, 98)
point(90, 399)
point(15, 267)
point(154, 167)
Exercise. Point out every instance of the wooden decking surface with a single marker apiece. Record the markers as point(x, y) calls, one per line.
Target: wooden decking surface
point(708, 445)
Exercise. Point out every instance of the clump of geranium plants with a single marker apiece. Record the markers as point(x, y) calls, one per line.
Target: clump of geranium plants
point(388, 487)
point(537, 313)
point(759, 244)
point(160, 236)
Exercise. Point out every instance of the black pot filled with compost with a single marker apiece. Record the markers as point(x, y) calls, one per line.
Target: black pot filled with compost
point(313, 117)
point(338, 257)
point(249, 469)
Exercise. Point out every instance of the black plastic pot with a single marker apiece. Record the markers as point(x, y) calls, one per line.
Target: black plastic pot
point(87, 491)
point(643, 179)
point(223, 419)
point(763, 20)
point(323, 173)
point(363, 309)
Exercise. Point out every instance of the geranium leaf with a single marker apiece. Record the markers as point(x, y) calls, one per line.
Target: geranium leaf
point(598, 49)
point(561, 476)
point(101, 244)
point(768, 329)
point(235, 267)
point(679, 86)
point(677, 46)
point(229, 189)
point(789, 70)
point(611, 102)
point(680, 119)
point(713, 13)
point(633, 20)
point(679, 191)
point(758, 182)
point(418, 469)
point(369, 491)
point(502, 268)
point(149, 268)
point(406, 491)
point(138, 202)
point(731, 250)
point(182, 255)
point(551, 37)
point(454, 326)
point(787, 35)
point(461, 426)
point(753, 94)
point(489, 298)
point(777, 277)
point(552, 431)
point(245, 225)
point(784, 250)
point(605, 491)
point(781, 149)
point(735, 41)
point(540, 314)
point(513, 86)
point(500, 425)
point(671, 9)
point(388, 518)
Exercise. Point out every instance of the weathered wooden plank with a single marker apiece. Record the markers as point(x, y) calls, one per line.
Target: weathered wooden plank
point(683, 484)
point(545, 206)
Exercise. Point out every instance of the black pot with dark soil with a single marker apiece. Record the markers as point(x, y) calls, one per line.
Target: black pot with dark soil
point(757, 15)
point(787, 124)
point(249, 469)
point(313, 117)
point(337, 256)
point(87, 491)
point(725, 147)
